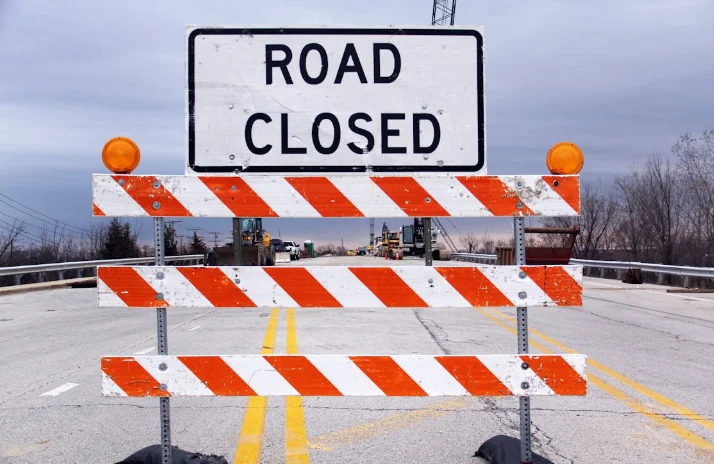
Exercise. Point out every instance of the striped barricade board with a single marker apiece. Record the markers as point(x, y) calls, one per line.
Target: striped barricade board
point(339, 196)
point(338, 375)
point(335, 196)
point(339, 286)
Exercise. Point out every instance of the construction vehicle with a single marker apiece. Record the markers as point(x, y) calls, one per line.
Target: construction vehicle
point(255, 248)
point(411, 239)
point(390, 243)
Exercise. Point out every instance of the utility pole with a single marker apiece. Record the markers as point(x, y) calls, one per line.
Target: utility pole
point(193, 229)
point(371, 232)
point(215, 238)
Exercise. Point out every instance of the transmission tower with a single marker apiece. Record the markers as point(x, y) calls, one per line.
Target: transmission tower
point(443, 12)
point(371, 232)
point(215, 238)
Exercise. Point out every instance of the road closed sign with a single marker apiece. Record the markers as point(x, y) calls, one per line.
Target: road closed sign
point(311, 100)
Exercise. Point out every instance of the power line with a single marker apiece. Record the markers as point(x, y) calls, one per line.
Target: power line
point(452, 225)
point(12, 228)
point(39, 227)
point(42, 214)
point(77, 229)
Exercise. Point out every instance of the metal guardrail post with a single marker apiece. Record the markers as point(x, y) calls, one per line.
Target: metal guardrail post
point(163, 348)
point(522, 316)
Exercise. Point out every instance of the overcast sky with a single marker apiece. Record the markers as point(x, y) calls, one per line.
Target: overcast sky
point(619, 78)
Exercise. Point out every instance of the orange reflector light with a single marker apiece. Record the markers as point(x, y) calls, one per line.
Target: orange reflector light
point(564, 158)
point(121, 155)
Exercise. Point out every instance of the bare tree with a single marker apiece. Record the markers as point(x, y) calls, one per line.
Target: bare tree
point(488, 244)
point(695, 164)
point(663, 211)
point(596, 222)
point(469, 242)
point(8, 238)
point(628, 231)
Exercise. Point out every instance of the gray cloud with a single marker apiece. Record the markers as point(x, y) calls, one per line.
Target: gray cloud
point(619, 78)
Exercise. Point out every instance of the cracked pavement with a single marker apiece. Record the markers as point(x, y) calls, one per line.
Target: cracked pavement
point(661, 341)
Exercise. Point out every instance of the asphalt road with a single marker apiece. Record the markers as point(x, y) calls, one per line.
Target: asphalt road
point(649, 395)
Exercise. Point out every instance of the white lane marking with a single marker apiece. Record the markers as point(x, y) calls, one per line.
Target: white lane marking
point(191, 330)
point(60, 389)
point(681, 295)
point(148, 350)
point(685, 296)
point(606, 285)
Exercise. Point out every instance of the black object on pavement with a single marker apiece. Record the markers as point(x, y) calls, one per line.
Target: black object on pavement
point(502, 449)
point(152, 455)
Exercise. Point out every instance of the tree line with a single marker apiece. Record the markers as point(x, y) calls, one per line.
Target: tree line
point(661, 211)
point(112, 240)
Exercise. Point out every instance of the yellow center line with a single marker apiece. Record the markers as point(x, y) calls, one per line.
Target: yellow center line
point(386, 425)
point(618, 394)
point(653, 395)
point(295, 432)
point(250, 441)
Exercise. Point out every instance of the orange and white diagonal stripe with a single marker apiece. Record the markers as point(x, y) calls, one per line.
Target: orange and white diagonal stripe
point(335, 196)
point(342, 375)
point(339, 286)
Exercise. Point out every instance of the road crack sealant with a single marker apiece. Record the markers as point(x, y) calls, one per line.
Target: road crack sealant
point(677, 337)
point(505, 418)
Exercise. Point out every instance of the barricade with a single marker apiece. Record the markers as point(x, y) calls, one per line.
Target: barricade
point(444, 179)
point(523, 375)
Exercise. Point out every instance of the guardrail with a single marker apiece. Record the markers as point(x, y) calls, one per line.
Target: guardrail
point(80, 266)
point(659, 269)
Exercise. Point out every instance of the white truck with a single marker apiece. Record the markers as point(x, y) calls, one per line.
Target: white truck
point(293, 248)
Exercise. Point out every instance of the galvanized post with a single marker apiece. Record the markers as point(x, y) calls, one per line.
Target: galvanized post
point(522, 316)
point(163, 348)
point(237, 243)
point(428, 258)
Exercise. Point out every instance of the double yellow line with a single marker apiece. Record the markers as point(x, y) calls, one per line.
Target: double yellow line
point(250, 441)
point(393, 423)
point(296, 445)
point(682, 432)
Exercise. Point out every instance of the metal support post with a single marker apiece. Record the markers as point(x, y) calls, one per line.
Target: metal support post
point(237, 243)
point(163, 348)
point(522, 316)
point(428, 257)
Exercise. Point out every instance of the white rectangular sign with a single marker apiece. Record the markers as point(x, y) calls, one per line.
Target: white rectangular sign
point(313, 100)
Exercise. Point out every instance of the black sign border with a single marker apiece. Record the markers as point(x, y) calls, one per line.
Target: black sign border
point(334, 31)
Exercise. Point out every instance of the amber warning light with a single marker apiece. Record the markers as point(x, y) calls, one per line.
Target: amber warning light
point(565, 158)
point(121, 155)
